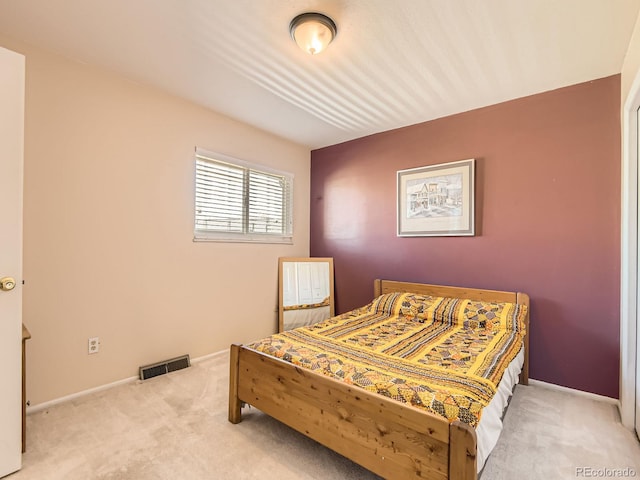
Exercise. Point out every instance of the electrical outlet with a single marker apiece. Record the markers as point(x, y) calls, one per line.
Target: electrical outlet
point(94, 345)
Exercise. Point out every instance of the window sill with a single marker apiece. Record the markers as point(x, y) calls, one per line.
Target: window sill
point(275, 239)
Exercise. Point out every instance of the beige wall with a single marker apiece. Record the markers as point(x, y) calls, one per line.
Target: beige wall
point(631, 65)
point(108, 209)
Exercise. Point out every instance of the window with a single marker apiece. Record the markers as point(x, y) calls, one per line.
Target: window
point(240, 202)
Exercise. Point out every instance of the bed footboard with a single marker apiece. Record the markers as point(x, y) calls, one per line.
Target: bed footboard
point(389, 438)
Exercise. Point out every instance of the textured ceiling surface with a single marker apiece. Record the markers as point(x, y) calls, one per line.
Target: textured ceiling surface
point(392, 64)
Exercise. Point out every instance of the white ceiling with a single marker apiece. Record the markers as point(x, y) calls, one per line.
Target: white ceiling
point(393, 63)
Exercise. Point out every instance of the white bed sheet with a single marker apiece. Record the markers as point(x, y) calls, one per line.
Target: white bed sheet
point(490, 426)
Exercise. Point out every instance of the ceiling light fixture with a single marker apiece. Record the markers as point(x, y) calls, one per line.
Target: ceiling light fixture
point(312, 31)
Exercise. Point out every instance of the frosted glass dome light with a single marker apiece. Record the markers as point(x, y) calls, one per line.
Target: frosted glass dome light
point(312, 32)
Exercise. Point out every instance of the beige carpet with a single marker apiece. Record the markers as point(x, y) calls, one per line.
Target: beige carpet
point(175, 427)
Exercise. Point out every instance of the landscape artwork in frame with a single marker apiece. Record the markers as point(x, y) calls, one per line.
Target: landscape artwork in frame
point(437, 200)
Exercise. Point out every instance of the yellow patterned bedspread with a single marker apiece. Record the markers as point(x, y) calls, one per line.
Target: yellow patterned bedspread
point(441, 354)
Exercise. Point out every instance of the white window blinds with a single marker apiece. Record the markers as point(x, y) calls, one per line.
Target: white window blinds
point(238, 201)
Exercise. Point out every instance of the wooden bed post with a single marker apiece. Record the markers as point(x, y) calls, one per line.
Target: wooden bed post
point(523, 299)
point(462, 452)
point(377, 288)
point(235, 405)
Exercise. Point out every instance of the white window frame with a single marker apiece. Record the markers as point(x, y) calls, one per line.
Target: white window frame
point(204, 235)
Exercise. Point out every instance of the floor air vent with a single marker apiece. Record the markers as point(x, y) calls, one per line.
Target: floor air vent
point(160, 368)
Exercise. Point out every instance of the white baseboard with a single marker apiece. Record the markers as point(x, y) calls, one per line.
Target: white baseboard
point(592, 396)
point(44, 405)
point(209, 356)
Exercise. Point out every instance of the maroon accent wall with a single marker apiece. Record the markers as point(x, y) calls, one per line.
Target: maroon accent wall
point(547, 219)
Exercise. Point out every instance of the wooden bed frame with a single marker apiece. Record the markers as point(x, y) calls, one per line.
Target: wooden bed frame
point(392, 439)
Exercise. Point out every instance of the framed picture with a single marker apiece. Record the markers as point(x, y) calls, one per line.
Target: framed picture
point(437, 200)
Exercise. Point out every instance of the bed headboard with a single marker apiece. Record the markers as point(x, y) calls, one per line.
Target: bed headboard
point(388, 286)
